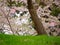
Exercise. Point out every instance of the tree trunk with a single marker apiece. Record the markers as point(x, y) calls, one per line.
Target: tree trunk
point(38, 24)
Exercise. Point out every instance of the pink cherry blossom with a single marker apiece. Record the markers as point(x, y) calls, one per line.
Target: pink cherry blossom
point(12, 10)
point(52, 23)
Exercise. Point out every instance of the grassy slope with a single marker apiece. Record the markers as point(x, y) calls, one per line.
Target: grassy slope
point(28, 40)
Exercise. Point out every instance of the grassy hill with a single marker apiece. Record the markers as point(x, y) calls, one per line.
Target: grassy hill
point(28, 40)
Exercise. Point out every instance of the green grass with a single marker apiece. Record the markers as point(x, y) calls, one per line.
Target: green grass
point(28, 40)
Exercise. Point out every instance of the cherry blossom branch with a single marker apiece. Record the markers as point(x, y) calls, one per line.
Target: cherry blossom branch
point(7, 19)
